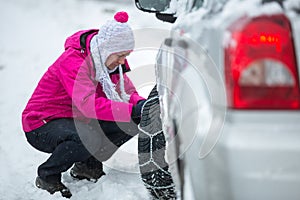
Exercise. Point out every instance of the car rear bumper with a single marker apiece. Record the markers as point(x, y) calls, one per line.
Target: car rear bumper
point(256, 157)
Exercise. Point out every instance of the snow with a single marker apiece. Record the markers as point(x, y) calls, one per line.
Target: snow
point(231, 10)
point(32, 37)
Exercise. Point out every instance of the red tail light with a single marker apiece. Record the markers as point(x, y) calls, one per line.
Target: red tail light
point(260, 64)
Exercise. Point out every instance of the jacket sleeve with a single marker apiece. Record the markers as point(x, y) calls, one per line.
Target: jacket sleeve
point(75, 76)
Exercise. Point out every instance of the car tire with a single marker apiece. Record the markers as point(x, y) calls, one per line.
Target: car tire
point(151, 151)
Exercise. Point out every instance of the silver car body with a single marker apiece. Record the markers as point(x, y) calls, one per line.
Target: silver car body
point(227, 154)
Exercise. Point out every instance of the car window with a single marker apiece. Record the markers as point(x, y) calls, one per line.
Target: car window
point(198, 4)
point(212, 5)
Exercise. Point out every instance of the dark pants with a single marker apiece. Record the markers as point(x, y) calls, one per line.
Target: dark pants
point(72, 141)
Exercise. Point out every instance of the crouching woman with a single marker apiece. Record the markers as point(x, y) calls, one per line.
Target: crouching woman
point(85, 106)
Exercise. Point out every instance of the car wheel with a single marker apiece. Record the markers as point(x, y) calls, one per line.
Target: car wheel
point(151, 151)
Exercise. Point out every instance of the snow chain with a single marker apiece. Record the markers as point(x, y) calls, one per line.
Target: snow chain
point(154, 169)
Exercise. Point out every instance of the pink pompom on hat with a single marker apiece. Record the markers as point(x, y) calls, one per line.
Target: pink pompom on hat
point(121, 17)
point(115, 36)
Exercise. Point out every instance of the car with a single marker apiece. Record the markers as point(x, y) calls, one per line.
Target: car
point(228, 87)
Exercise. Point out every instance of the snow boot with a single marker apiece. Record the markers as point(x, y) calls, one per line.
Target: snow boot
point(53, 187)
point(82, 171)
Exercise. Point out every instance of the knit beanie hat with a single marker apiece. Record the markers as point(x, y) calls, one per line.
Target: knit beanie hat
point(113, 37)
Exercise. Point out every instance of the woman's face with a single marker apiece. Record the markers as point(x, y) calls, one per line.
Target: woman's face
point(116, 59)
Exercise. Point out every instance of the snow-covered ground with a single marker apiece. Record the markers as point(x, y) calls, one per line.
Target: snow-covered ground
point(32, 37)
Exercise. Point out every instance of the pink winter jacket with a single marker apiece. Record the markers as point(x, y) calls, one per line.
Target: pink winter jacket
point(69, 90)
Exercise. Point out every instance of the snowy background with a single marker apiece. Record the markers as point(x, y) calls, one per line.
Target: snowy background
point(32, 37)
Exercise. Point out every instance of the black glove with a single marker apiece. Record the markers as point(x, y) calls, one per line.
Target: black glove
point(137, 111)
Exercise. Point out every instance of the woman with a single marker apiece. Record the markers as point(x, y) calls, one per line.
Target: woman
point(84, 107)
